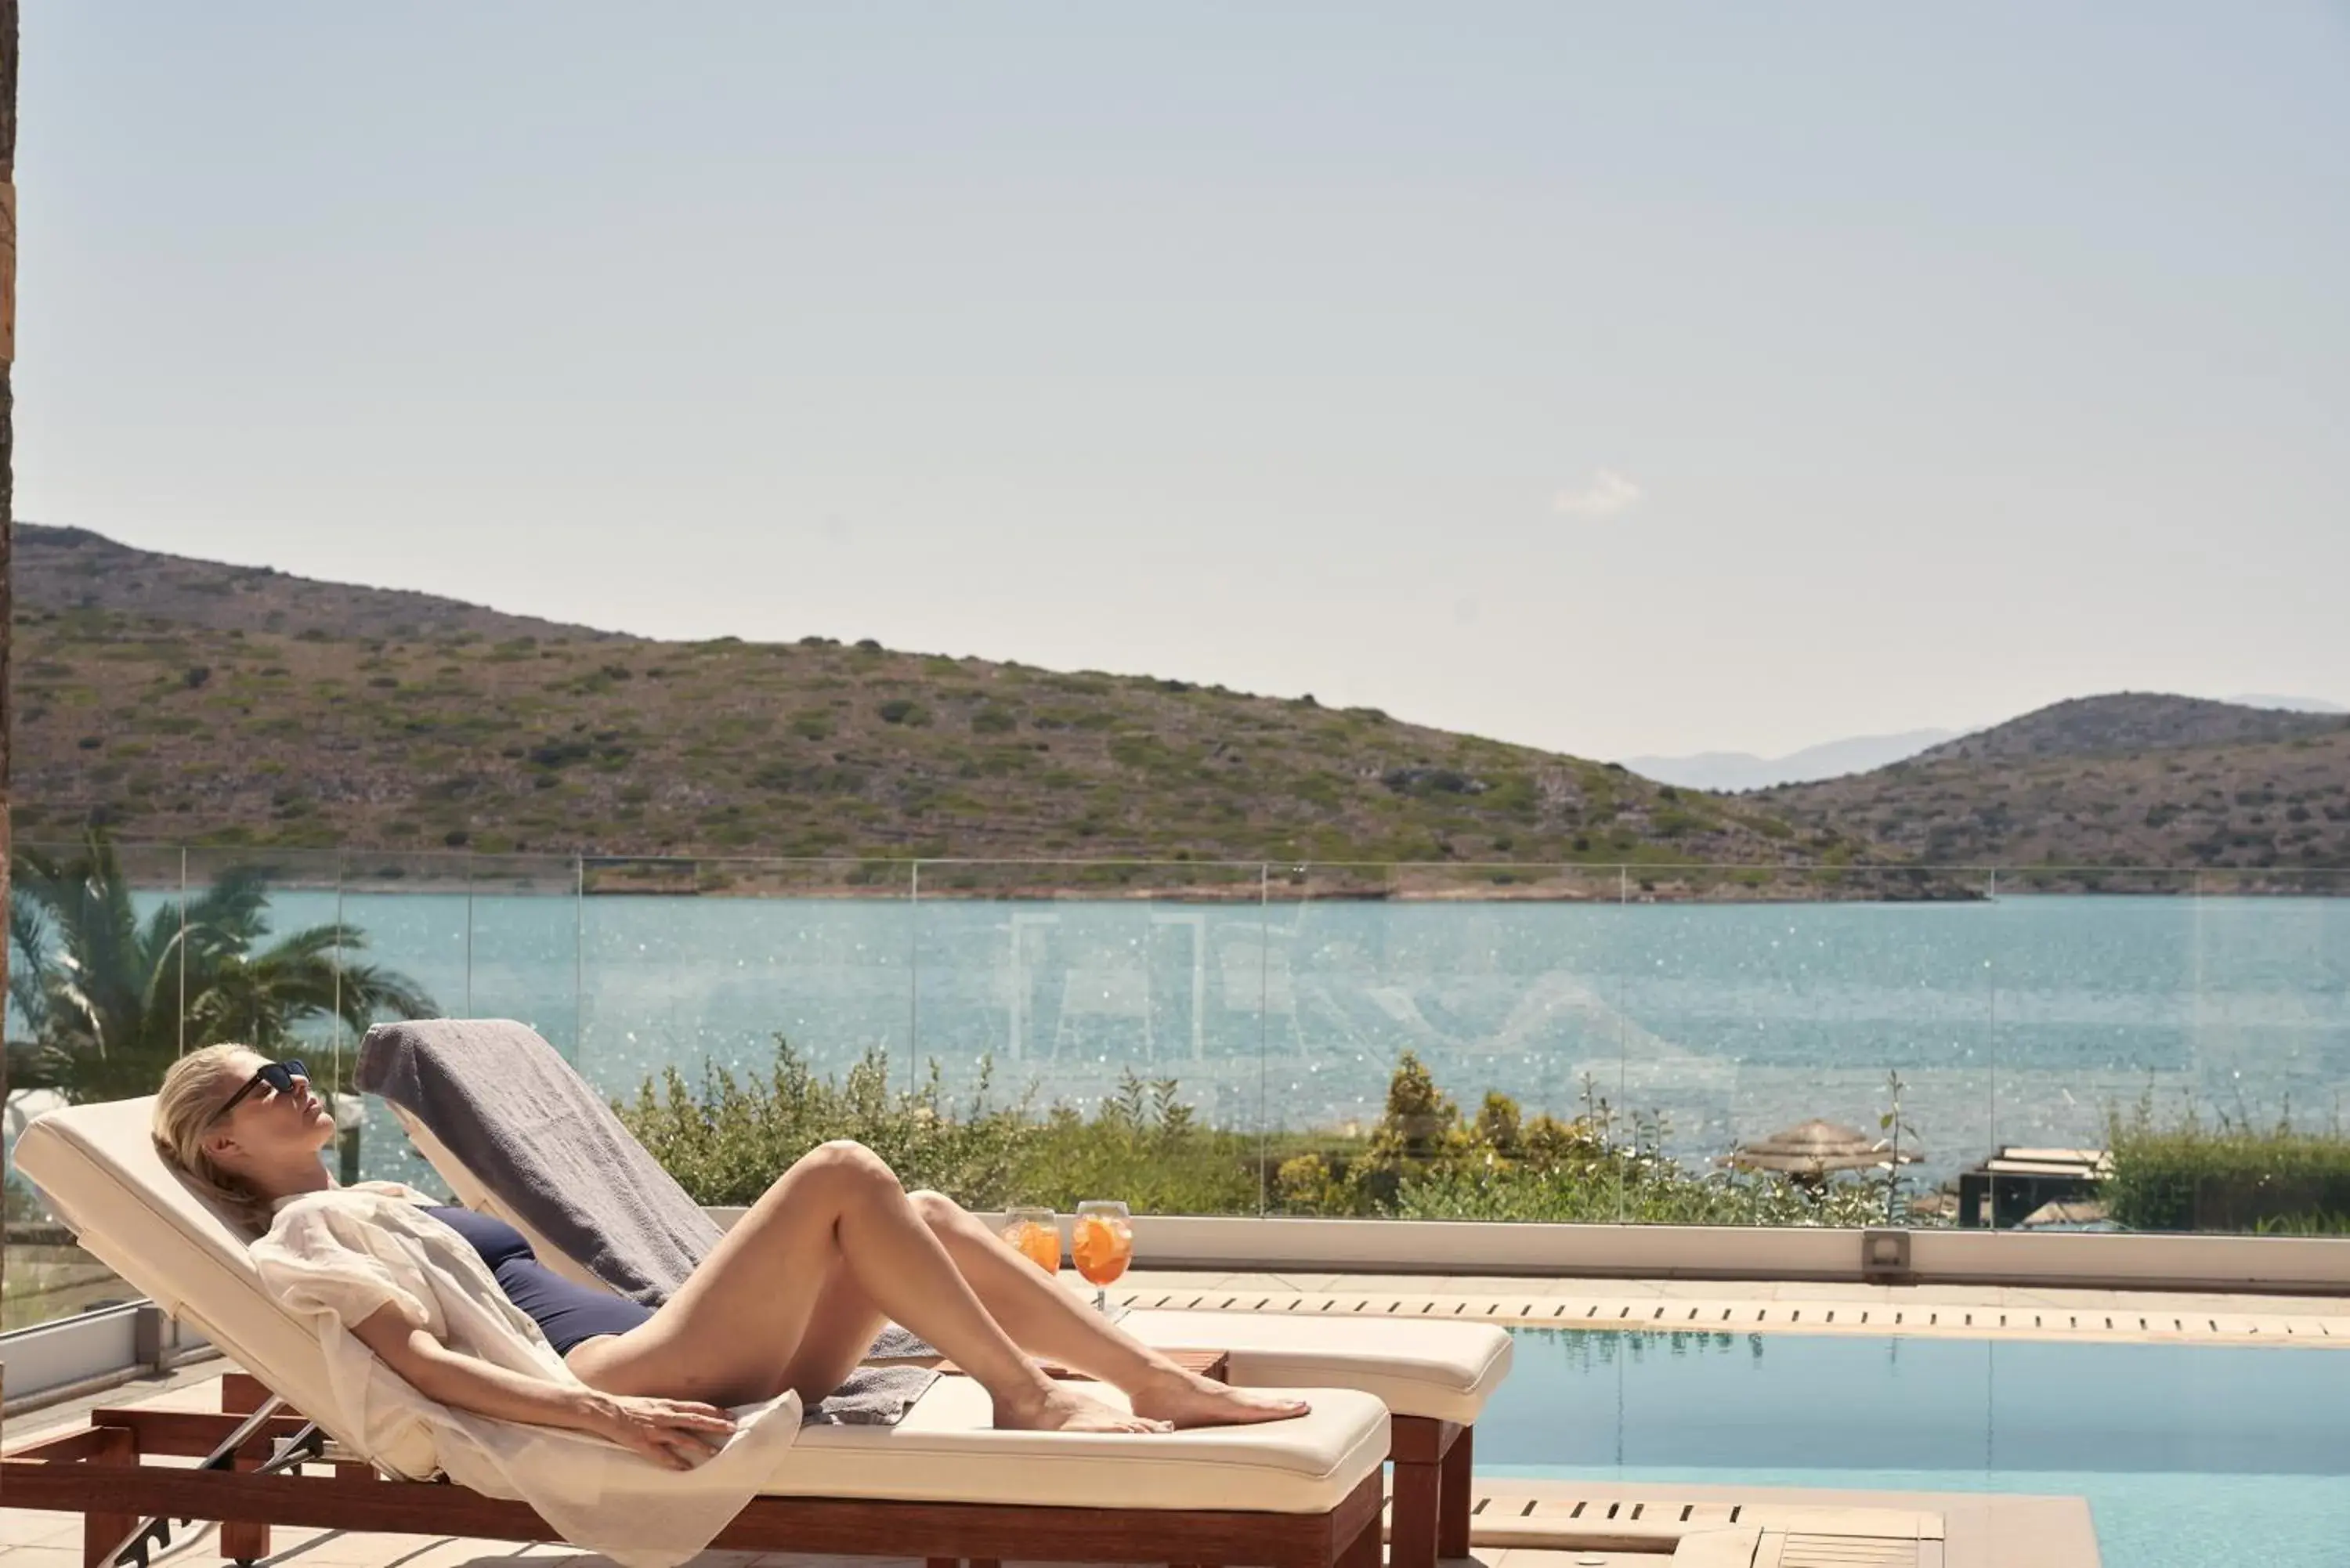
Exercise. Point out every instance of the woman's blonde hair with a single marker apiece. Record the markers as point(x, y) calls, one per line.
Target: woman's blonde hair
point(193, 1091)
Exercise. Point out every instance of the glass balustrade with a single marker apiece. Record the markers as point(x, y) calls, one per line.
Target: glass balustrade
point(1648, 1044)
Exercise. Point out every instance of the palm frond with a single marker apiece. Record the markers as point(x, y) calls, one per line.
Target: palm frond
point(369, 991)
point(116, 999)
point(234, 909)
point(29, 965)
point(163, 930)
point(315, 943)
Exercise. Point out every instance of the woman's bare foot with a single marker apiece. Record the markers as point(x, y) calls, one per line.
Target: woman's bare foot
point(1061, 1409)
point(1186, 1399)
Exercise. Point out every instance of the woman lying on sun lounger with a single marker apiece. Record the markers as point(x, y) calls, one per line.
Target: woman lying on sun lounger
point(789, 1299)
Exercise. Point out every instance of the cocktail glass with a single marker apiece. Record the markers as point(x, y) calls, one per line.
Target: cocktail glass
point(1102, 1244)
point(1036, 1235)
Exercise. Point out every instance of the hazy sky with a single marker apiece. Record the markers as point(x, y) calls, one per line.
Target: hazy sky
point(1620, 379)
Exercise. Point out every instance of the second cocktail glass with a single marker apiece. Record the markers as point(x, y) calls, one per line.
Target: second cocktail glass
point(1102, 1245)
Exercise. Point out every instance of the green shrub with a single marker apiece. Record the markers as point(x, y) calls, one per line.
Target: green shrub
point(1612, 1192)
point(18, 1204)
point(2231, 1176)
point(727, 1141)
point(1422, 1162)
point(1144, 1147)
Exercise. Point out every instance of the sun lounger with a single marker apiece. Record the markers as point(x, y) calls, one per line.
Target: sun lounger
point(940, 1484)
point(1434, 1376)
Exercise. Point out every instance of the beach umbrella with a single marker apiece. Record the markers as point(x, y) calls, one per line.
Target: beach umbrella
point(1814, 1149)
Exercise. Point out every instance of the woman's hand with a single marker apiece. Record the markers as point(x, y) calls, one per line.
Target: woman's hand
point(676, 1433)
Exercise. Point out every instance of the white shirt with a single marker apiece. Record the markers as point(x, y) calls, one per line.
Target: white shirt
point(338, 1256)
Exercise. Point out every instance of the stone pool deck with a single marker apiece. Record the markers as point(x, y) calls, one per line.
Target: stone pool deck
point(1563, 1525)
point(1522, 1524)
point(1965, 1312)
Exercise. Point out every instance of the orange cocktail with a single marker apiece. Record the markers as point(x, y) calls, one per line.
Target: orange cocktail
point(1102, 1246)
point(1036, 1235)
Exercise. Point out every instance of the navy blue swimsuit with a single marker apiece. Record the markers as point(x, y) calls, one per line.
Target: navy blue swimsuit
point(565, 1311)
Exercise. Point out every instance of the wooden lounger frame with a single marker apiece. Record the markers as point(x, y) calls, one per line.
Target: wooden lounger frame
point(1427, 1519)
point(1430, 1516)
point(97, 1471)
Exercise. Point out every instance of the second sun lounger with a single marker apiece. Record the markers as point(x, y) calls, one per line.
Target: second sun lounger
point(1434, 1376)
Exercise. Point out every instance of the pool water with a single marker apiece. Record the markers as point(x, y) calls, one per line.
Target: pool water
point(2188, 1455)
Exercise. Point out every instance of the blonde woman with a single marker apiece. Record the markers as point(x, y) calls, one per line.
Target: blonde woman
point(789, 1301)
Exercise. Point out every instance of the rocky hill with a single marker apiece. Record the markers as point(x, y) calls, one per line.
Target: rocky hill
point(73, 568)
point(2125, 780)
point(2125, 721)
point(184, 702)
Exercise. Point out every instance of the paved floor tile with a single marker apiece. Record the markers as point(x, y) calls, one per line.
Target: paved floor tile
point(39, 1527)
point(357, 1548)
point(41, 1556)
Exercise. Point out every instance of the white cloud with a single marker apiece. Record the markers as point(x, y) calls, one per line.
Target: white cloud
point(1607, 493)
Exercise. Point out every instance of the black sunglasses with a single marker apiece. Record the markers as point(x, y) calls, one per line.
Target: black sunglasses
point(278, 1075)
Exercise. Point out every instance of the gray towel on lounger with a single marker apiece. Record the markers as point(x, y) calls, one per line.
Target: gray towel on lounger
point(549, 1148)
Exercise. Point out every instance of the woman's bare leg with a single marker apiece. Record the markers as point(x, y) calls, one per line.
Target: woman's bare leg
point(1047, 1320)
point(840, 1330)
point(739, 1323)
point(1039, 1316)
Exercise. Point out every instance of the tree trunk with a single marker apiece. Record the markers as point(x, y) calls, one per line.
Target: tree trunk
point(7, 480)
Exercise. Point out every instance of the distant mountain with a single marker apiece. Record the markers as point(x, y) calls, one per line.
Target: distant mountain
point(2125, 721)
point(1733, 771)
point(185, 701)
point(2131, 779)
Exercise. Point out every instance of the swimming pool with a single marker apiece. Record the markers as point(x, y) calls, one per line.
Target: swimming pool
point(2188, 1455)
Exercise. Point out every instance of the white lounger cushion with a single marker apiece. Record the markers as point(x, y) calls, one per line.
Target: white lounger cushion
point(1444, 1371)
point(945, 1451)
point(1440, 1370)
point(98, 1166)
